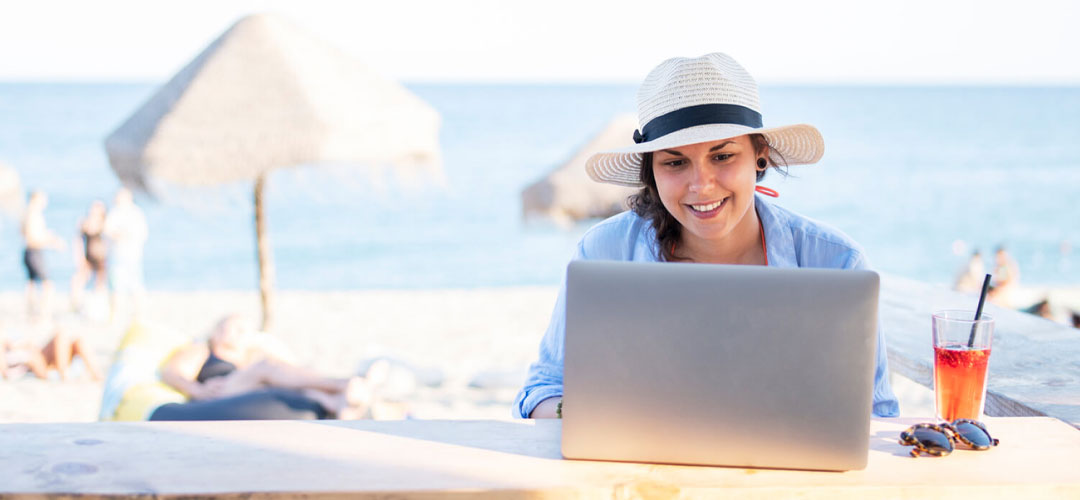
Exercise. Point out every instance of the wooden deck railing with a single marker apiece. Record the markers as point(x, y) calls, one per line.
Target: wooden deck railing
point(1034, 363)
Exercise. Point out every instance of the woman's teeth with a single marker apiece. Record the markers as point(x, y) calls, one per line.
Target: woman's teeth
point(706, 208)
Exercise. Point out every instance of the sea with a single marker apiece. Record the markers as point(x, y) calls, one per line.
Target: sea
point(920, 176)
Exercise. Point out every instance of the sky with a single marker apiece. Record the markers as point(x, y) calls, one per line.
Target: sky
point(1030, 42)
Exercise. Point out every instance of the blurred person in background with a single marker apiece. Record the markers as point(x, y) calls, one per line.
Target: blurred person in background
point(39, 238)
point(17, 357)
point(1041, 309)
point(126, 231)
point(970, 278)
point(239, 372)
point(90, 254)
point(1006, 278)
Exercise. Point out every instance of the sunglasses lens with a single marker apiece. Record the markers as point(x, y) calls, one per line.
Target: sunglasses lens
point(971, 432)
point(933, 440)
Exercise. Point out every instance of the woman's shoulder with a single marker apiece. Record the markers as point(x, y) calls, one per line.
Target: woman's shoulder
point(819, 244)
point(619, 237)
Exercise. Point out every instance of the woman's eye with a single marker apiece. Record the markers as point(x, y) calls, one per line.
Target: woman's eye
point(674, 163)
point(722, 156)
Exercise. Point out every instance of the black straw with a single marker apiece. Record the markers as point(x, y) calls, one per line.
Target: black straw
point(978, 311)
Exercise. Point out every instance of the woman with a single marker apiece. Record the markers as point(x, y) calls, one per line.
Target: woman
point(698, 155)
point(242, 374)
point(90, 254)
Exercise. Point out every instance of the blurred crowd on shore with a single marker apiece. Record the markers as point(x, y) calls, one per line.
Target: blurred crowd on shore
point(107, 252)
point(234, 371)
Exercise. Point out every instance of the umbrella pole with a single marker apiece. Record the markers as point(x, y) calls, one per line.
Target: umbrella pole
point(265, 256)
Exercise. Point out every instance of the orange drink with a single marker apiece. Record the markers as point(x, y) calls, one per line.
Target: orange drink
point(961, 356)
point(960, 381)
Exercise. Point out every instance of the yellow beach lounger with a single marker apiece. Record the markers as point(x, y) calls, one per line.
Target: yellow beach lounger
point(133, 387)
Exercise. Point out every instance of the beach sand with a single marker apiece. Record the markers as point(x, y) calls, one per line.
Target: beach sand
point(473, 346)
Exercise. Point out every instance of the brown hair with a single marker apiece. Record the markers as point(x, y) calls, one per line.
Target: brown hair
point(647, 205)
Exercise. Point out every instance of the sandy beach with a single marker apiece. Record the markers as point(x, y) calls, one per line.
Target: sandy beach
point(470, 346)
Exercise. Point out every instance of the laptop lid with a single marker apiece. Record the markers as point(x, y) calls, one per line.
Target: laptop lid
point(719, 365)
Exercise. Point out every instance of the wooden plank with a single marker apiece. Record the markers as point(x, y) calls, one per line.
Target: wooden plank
point(451, 459)
point(1034, 366)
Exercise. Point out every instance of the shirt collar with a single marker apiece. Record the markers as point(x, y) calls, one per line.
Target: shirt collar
point(779, 243)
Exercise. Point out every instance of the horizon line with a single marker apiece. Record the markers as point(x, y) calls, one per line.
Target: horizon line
point(1063, 83)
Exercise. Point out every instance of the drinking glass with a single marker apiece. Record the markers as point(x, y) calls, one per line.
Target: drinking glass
point(961, 355)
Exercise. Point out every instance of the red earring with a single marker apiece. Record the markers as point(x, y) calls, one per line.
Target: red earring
point(766, 191)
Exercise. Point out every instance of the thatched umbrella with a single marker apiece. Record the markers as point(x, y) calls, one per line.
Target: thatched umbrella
point(11, 193)
point(568, 194)
point(266, 95)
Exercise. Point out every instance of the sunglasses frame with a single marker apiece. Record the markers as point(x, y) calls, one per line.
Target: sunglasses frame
point(948, 429)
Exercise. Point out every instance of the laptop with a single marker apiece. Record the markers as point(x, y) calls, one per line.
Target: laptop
point(742, 366)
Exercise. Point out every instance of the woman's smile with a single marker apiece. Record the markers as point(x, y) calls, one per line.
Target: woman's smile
point(707, 210)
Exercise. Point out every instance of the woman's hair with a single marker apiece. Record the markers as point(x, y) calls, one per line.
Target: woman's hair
point(647, 205)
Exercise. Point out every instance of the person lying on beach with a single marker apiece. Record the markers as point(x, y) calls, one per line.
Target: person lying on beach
point(239, 366)
point(698, 156)
point(19, 357)
point(1041, 309)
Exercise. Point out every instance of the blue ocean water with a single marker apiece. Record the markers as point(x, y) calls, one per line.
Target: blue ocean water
point(915, 174)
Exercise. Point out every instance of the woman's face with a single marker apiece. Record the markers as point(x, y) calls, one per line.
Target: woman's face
point(97, 210)
point(232, 335)
point(708, 187)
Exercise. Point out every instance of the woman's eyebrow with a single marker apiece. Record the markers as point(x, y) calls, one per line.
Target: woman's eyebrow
point(721, 145)
point(714, 148)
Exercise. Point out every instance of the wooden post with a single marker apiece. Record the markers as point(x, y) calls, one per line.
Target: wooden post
point(264, 255)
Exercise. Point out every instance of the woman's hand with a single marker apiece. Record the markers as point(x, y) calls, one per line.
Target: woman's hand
point(181, 371)
point(547, 408)
point(211, 389)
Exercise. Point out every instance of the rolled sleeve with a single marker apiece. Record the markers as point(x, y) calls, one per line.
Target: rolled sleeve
point(545, 379)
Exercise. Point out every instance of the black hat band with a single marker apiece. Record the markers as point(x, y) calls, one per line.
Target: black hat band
point(692, 116)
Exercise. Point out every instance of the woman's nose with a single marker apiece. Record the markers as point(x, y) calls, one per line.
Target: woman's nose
point(702, 177)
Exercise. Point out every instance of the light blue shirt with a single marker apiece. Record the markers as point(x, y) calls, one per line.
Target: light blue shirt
point(791, 240)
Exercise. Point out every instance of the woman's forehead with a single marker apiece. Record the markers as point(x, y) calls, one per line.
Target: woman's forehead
point(733, 142)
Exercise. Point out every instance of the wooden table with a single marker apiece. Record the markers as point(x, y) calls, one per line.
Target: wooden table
point(1038, 457)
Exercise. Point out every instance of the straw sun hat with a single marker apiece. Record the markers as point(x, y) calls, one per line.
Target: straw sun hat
point(687, 101)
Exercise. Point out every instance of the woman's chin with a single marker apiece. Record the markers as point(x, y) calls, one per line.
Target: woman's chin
point(714, 231)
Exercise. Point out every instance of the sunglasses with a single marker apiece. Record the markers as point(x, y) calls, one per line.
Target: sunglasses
point(937, 439)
